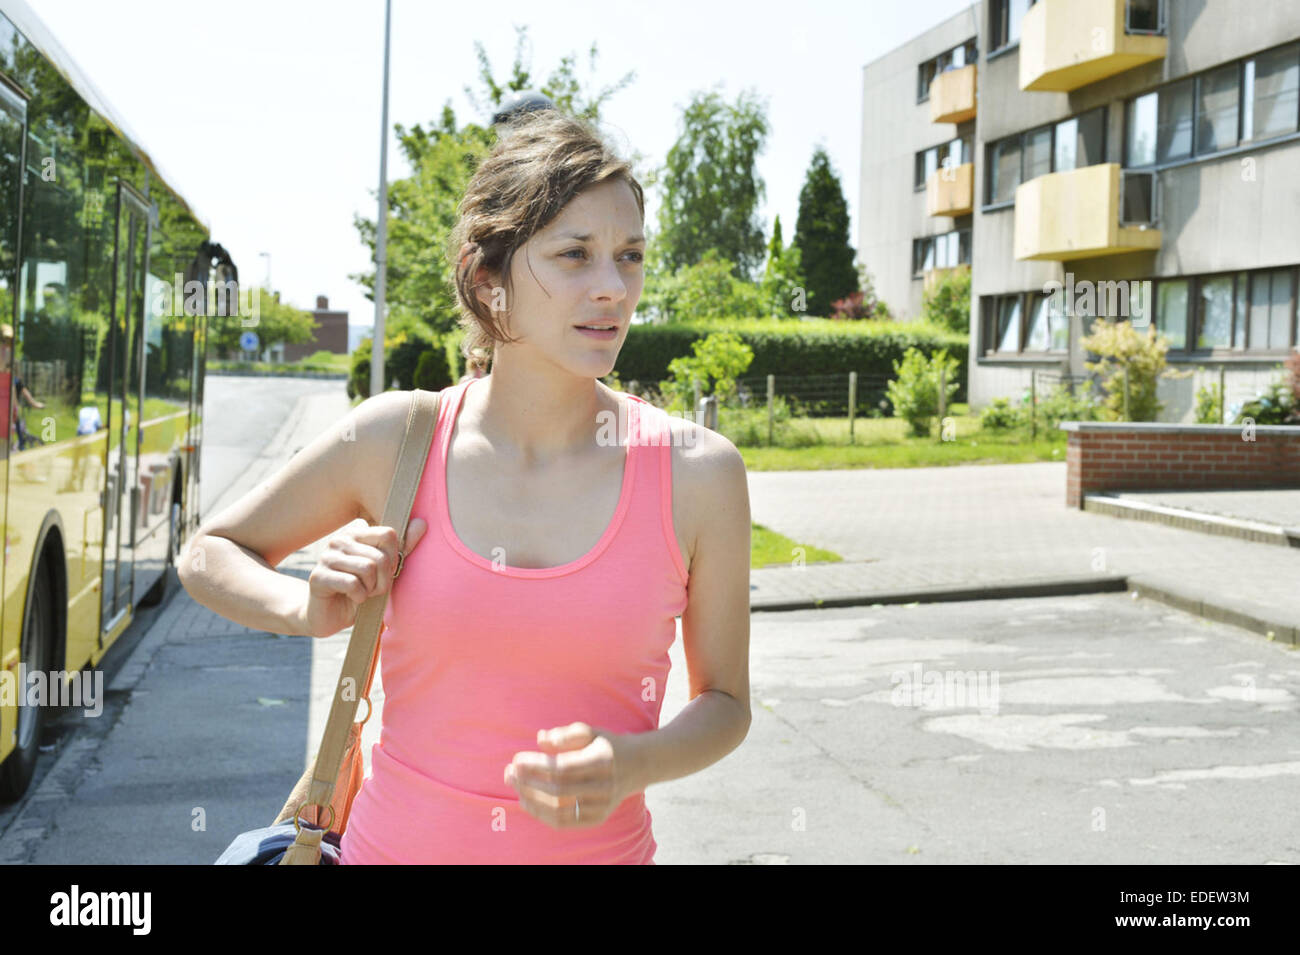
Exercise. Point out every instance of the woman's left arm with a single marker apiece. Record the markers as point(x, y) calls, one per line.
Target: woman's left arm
point(715, 624)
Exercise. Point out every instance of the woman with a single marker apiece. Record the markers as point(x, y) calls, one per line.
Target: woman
point(558, 530)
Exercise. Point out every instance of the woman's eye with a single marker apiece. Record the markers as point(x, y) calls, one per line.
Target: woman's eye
point(638, 257)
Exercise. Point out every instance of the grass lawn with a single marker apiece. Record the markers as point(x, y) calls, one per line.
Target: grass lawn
point(767, 547)
point(823, 444)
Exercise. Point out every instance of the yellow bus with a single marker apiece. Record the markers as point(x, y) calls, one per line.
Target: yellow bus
point(107, 284)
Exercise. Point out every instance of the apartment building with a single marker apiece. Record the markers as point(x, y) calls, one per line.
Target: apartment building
point(1086, 159)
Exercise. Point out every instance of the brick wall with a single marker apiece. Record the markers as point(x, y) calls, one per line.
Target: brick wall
point(1140, 456)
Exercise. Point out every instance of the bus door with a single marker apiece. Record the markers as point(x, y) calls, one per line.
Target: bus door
point(130, 266)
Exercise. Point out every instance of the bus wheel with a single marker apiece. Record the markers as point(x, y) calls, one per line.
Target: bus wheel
point(155, 594)
point(38, 633)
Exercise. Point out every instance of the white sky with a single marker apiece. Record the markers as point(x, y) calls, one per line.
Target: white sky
point(265, 114)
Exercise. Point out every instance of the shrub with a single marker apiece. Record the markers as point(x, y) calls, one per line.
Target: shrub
point(401, 357)
point(1060, 405)
point(718, 360)
point(947, 304)
point(999, 415)
point(1121, 346)
point(914, 393)
point(431, 371)
point(747, 427)
point(1275, 404)
point(1209, 404)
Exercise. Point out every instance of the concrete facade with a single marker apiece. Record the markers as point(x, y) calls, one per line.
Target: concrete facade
point(1228, 212)
point(894, 128)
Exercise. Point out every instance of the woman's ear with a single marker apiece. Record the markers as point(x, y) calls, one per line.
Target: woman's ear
point(487, 289)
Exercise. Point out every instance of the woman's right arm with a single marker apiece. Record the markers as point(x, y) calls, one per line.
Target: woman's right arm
point(341, 477)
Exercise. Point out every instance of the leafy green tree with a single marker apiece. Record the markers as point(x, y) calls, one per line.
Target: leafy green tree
point(711, 190)
point(423, 207)
point(717, 362)
point(782, 287)
point(822, 234)
point(947, 303)
point(708, 290)
point(276, 322)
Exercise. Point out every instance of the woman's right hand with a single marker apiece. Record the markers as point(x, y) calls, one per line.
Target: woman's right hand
point(358, 563)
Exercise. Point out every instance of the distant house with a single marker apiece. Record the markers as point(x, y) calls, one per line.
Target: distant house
point(331, 333)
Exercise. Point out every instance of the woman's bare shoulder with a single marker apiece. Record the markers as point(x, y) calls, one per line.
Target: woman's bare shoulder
point(377, 426)
point(709, 477)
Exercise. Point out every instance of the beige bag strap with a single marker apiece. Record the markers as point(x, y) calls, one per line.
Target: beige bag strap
point(363, 644)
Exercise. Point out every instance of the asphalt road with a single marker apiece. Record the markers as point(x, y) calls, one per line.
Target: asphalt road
point(1094, 729)
point(241, 416)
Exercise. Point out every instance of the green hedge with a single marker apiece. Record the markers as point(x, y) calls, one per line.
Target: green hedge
point(796, 348)
point(792, 347)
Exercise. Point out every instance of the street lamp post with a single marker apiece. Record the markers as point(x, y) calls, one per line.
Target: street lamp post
point(267, 256)
point(381, 230)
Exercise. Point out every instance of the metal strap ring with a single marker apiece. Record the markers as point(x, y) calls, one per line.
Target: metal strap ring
point(297, 825)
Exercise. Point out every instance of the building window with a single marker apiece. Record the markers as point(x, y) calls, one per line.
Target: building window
point(1160, 125)
point(1137, 198)
point(955, 152)
point(1242, 310)
point(1216, 109)
point(1246, 101)
point(1171, 312)
point(1036, 154)
point(1005, 17)
point(1144, 16)
point(954, 59)
point(1058, 147)
point(1008, 323)
point(944, 251)
point(1272, 309)
point(1174, 122)
point(1269, 94)
point(1004, 167)
point(1079, 141)
point(1214, 312)
point(1045, 327)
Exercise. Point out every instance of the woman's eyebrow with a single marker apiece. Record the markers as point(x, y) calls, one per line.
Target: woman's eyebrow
point(584, 237)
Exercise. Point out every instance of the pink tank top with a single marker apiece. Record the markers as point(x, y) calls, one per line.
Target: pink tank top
point(475, 660)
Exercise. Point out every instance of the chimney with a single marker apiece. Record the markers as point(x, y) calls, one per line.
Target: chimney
point(322, 303)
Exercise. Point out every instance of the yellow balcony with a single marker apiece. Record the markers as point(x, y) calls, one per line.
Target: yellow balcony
point(950, 191)
point(932, 277)
point(1066, 44)
point(952, 96)
point(1075, 215)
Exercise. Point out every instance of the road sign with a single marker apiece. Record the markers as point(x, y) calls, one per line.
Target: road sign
point(248, 341)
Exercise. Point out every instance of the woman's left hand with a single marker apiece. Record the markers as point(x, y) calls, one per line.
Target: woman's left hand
point(574, 762)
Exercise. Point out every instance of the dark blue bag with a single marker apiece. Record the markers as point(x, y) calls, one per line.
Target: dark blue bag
point(267, 846)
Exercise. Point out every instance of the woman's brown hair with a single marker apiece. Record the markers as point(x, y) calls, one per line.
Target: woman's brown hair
point(542, 160)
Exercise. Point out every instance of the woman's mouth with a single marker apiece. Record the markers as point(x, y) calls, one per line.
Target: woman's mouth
point(599, 330)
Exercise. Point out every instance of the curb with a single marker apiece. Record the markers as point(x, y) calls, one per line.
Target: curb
point(1192, 520)
point(1277, 630)
point(1053, 587)
point(1274, 629)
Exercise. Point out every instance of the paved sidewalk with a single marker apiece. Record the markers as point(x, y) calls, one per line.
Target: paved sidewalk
point(985, 529)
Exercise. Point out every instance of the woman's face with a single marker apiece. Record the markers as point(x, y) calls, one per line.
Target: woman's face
point(585, 267)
